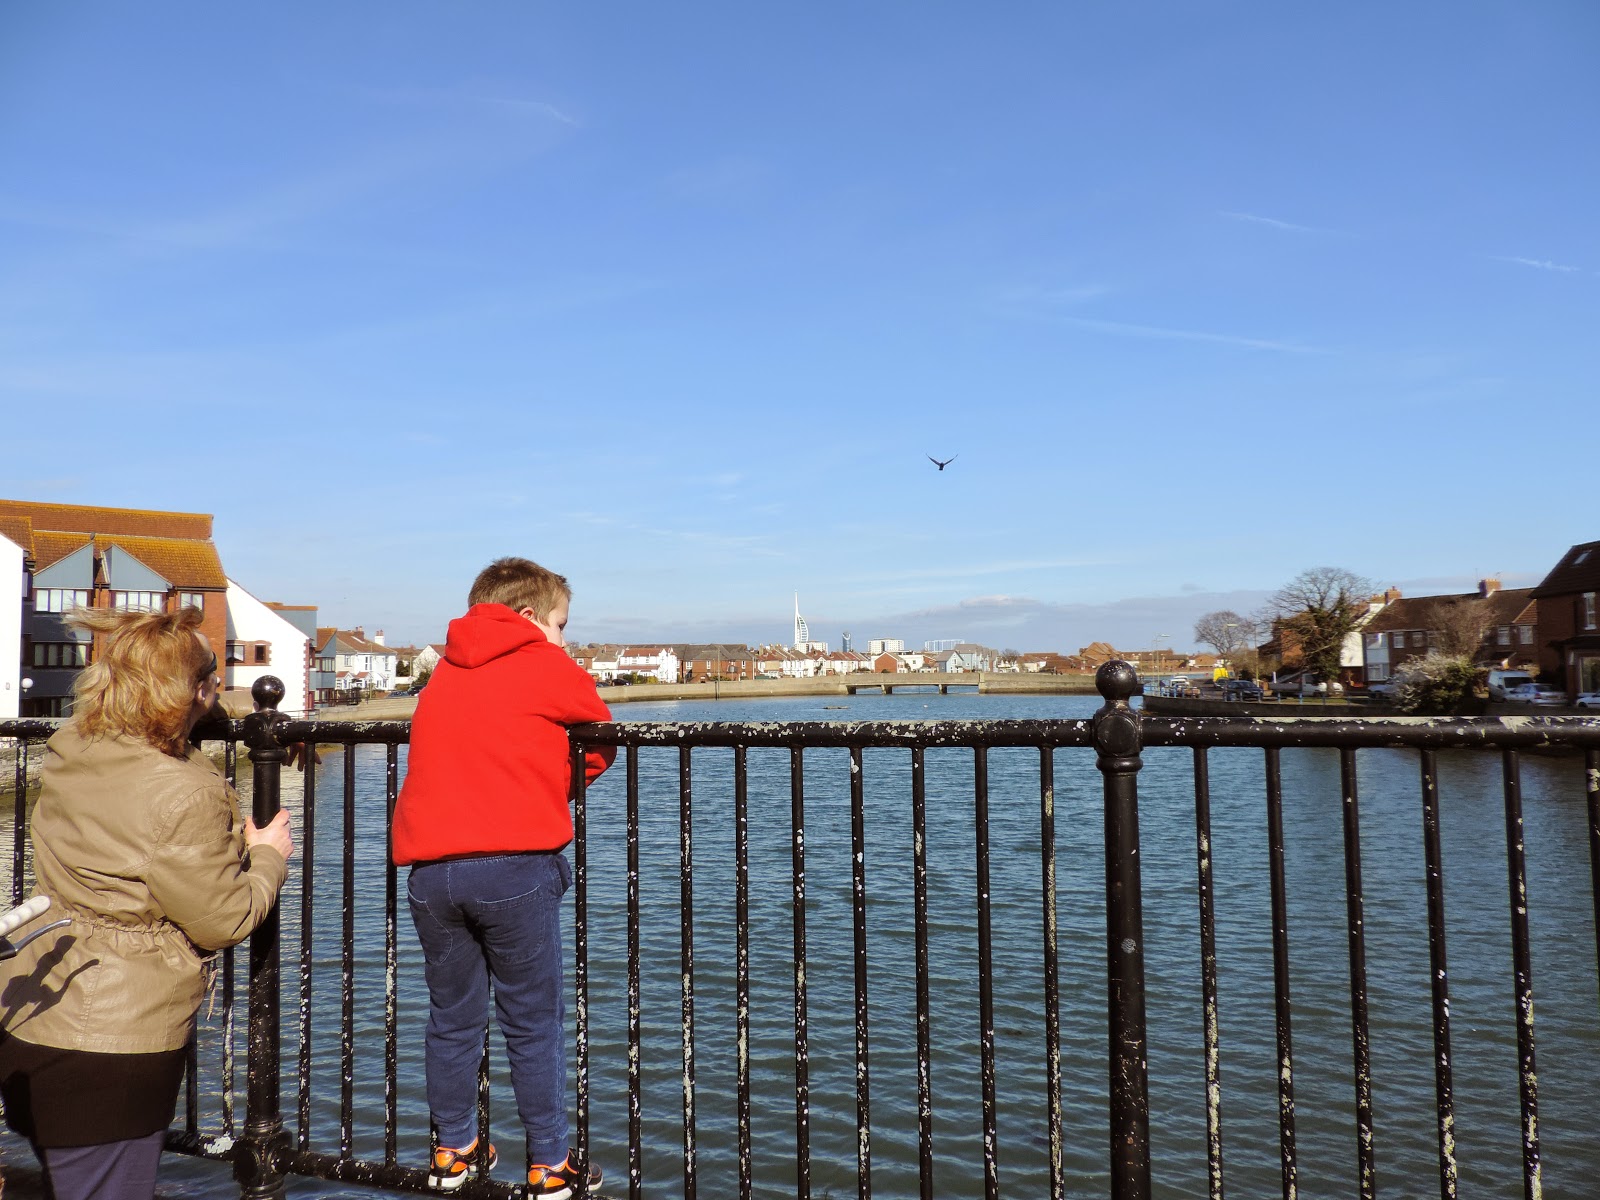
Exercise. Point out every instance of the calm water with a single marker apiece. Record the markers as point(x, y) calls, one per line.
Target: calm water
point(1479, 949)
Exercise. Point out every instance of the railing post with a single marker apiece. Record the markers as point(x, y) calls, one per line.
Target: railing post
point(258, 1158)
point(1117, 742)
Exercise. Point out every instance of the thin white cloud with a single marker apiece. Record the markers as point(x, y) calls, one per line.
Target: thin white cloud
point(747, 543)
point(1079, 293)
point(1128, 329)
point(469, 97)
point(977, 570)
point(1274, 223)
point(1542, 264)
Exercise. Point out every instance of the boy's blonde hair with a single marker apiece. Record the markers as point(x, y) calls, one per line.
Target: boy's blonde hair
point(518, 583)
point(143, 679)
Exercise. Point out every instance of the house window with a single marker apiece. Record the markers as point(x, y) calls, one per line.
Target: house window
point(60, 654)
point(139, 601)
point(1588, 610)
point(60, 600)
point(235, 654)
point(1375, 641)
point(1377, 672)
point(324, 664)
point(192, 600)
point(1398, 638)
point(1503, 635)
point(260, 653)
point(1525, 634)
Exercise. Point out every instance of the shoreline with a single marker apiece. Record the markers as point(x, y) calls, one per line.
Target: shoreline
point(990, 683)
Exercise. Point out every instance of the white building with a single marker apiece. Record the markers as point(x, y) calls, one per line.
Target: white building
point(261, 642)
point(879, 646)
point(360, 664)
point(427, 660)
point(658, 662)
point(12, 596)
point(802, 633)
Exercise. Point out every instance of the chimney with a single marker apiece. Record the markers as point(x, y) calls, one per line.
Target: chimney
point(378, 637)
point(360, 632)
point(1488, 587)
point(1390, 596)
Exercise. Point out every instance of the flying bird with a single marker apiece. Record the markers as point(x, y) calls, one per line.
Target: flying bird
point(942, 464)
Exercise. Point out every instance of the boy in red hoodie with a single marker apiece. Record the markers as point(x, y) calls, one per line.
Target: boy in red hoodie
point(482, 820)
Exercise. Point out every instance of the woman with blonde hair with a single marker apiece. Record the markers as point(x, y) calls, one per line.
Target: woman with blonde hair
point(140, 842)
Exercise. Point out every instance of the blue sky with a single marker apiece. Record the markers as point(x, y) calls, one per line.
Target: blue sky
point(677, 299)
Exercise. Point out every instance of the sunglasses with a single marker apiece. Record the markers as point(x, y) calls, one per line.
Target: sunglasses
point(210, 668)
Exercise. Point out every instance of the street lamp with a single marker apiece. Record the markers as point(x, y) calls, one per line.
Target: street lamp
point(1160, 657)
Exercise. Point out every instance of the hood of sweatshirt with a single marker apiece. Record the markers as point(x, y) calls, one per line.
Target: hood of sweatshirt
point(488, 632)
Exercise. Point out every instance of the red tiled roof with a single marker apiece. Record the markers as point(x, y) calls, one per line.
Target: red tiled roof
point(1578, 571)
point(1420, 612)
point(182, 562)
point(134, 522)
point(50, 548)
point(19, 529)
point(177, 546)
point(349, 643)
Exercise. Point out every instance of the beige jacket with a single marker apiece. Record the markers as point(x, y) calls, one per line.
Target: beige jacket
point(145, 853)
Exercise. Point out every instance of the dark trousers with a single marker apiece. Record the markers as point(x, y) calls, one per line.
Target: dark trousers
point(109, 1171)
point(495, 918)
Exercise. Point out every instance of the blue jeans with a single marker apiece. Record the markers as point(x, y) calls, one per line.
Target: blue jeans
point(496, 917)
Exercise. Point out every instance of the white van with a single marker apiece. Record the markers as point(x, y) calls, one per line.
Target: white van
point(1501, 682)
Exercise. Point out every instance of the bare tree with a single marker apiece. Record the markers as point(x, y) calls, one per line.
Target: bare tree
point(1320, 607)
point(1456, 625)
point(1226, 631)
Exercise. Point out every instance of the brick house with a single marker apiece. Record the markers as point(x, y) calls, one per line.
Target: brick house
point(1569, 620)
point(1498, 621)
point(701, 662)
point(84, 556)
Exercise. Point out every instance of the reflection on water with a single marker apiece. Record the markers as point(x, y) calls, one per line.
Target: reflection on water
point(1483, 1036)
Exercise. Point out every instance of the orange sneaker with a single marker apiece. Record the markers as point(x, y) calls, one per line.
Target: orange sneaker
point(556, 1183)
point(452, 1168)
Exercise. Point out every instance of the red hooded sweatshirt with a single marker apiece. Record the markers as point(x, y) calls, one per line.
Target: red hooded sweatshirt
point(489, 768)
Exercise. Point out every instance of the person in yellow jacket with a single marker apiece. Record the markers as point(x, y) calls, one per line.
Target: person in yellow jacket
point(141, 844)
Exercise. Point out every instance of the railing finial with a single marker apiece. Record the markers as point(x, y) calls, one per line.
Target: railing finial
point(268, 692)
point(1117, 681)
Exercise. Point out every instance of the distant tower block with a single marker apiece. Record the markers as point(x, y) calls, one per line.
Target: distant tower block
point(802, 633)
point(848, 646)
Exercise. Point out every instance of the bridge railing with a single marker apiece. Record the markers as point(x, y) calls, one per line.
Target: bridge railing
point(1026, 1117)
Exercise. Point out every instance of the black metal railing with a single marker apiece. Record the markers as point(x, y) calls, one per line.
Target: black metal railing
point(314, 1140)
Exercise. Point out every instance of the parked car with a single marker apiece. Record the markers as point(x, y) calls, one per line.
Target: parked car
point(1384, 691)
point(1587, 700)
point(1241, 689)
point(1299, 685)
point(1541, 694)
point(1180, 685)
point(1502, 681)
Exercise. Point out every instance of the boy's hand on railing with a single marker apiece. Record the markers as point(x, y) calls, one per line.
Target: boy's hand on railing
point(302, 752)
point(275, 834)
